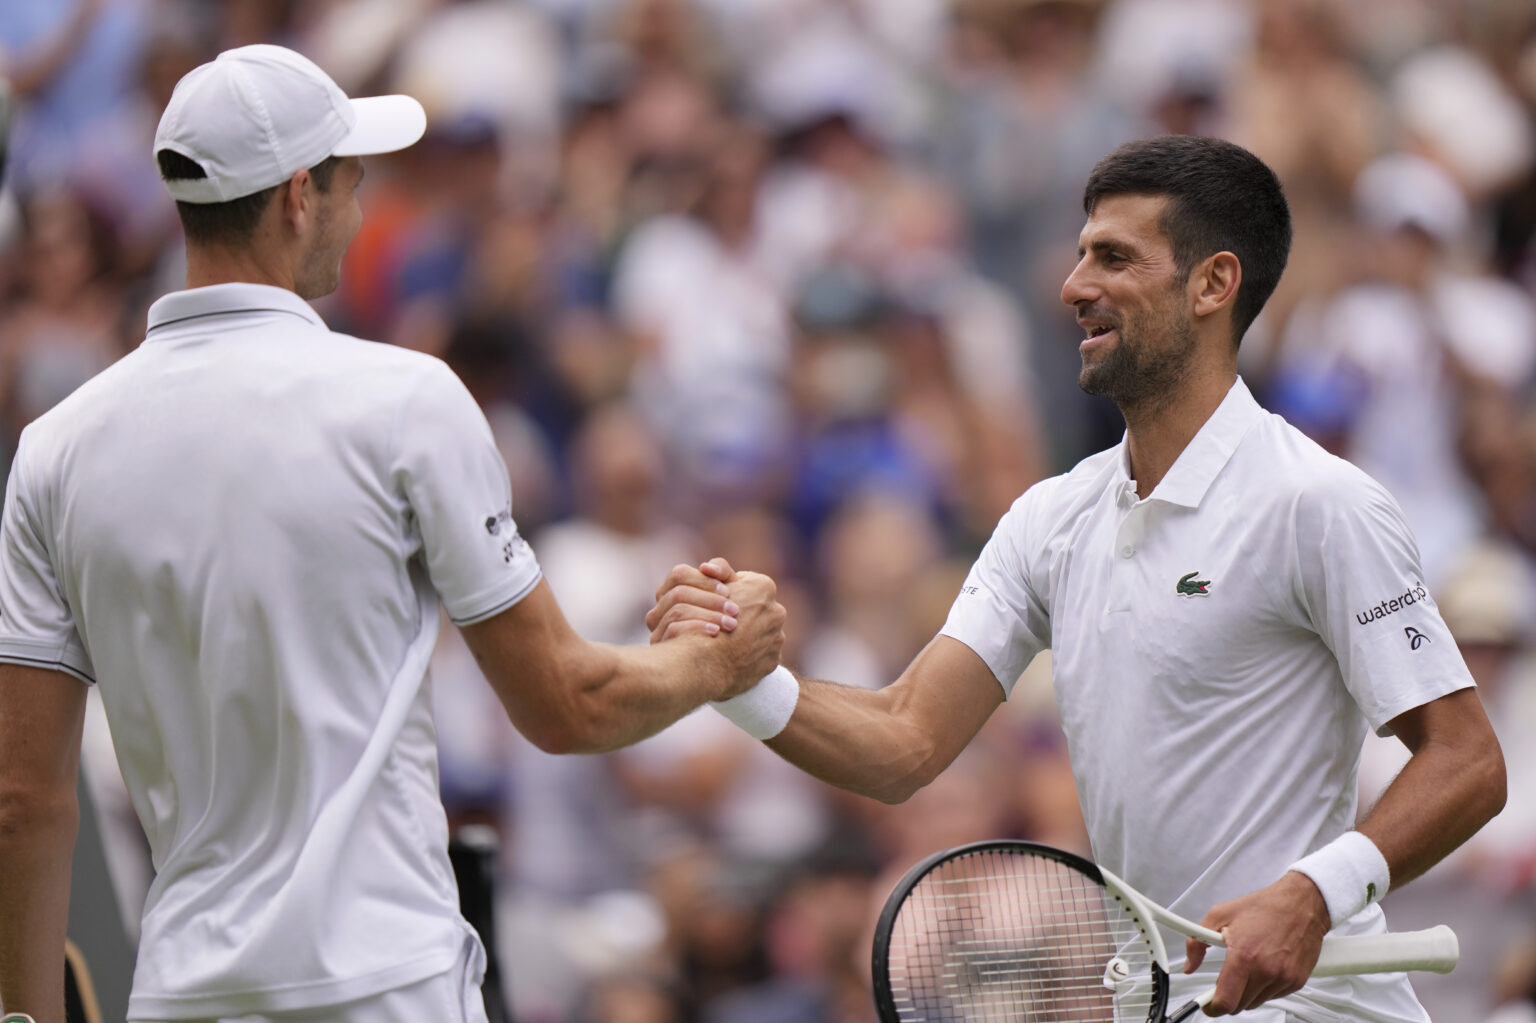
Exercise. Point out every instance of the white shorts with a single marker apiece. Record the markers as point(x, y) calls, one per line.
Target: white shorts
point(450, 997)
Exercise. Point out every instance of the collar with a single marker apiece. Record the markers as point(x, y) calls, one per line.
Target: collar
point(1204, 456)
point(228, 299)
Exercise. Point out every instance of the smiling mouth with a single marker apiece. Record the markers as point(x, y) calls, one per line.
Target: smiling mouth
point(1093, 333)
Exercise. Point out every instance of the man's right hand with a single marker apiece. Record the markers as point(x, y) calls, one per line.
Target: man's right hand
point(716, 600)
point(754, 647)
point(694, 599)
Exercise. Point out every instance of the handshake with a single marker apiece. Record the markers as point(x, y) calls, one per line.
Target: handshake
point(740, 613)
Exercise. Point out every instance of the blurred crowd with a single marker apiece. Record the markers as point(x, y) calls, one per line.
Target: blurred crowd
point(779, 280)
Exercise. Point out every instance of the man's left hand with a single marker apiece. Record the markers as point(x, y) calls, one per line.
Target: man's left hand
point(1274, 936)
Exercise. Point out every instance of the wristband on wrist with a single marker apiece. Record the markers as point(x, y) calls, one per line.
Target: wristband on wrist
point(1350, 872)
point(764, 710)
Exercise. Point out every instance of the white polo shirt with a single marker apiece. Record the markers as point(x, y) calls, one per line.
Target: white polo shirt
point(240, 532)
point(1218, 651)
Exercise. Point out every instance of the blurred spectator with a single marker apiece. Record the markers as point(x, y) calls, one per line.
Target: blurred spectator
point(114, 170)
point(1384, 367)
point(1485, 889)
point(1515, 988)
point(64, 317)
point(711, 321)
point(634, 998)
point(1026, 116)
point(816, 933)
point(69, 62)
point(873, 555)
point(1314, 116)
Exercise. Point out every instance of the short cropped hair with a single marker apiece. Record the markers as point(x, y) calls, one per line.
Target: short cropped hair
point(1223, 198)
point(232, 222)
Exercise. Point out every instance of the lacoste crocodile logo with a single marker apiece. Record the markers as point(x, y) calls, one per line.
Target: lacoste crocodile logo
point(1189, 586)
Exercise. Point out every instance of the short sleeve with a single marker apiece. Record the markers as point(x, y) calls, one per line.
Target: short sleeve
point(999, 612)
point(1364, 591)
point(456, 484)
point(37, 626)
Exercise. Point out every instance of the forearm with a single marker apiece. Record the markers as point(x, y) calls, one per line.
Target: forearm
point(37, 838)
point(1444, 794)
point(624, 694)
point(858, 740)
point(569, 695)
point(890, 742)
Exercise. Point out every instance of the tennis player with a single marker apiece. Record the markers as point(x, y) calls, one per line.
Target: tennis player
point(1228, 608)
point(243, 531)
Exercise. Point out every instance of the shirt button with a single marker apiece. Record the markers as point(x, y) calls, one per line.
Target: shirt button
point(1127, 551)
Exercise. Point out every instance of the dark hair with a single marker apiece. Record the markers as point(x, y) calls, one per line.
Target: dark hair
point(1223, 198)
point(232, 222)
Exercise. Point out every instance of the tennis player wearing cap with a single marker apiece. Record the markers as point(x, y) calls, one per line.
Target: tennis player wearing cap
point(242, 531)
point(1228, 609)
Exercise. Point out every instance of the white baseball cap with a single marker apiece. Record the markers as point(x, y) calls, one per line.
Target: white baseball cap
point(1401, 190)
point(256, 115)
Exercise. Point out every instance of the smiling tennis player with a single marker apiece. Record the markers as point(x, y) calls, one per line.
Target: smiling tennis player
point(1206, 589)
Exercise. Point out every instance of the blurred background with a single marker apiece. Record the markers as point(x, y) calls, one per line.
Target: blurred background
point(779, 280)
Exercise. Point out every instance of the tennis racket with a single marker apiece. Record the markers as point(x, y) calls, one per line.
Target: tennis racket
point(1026, 933)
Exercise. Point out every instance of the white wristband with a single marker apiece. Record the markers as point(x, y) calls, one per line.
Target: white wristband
point(764, 710)
point(1350, 872)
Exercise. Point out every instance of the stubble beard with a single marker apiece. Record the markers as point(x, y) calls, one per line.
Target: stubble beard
point(321, 272)
point(1137, 377)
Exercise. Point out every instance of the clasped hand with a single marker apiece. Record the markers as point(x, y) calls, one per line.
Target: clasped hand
point(713, 599)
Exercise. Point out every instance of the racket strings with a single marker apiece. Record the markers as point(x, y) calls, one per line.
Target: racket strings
point(1000, 935)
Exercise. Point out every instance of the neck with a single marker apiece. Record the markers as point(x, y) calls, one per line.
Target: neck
point(1157, 432)
point(252, 264)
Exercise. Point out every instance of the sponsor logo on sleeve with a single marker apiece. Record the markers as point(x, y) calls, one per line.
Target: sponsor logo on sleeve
point(514, 546)
point(1416, 638)
point(1413, 595)
point(494, 524)
point(501, 527)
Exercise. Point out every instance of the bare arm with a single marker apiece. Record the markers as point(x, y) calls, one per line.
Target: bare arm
point(888, 743)
point(42, 713)
point(568, 695)
point(1452, 785)
point(884, 743)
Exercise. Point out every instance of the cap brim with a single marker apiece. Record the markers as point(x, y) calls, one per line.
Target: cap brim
point(384, 124)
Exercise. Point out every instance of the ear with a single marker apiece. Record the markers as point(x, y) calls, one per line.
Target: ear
point(1213, 284)
point(297, 198)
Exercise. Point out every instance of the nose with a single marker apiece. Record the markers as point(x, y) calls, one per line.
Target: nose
point(1079, 286)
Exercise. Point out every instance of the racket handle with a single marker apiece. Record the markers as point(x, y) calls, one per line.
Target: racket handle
point(1435, 950)
point(1194, 1005)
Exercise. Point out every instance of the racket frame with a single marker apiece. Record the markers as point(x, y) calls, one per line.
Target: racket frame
point(1135, 904)
point(1434, 949)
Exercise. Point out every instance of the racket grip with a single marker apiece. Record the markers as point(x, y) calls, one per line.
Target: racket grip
point(1434, 950)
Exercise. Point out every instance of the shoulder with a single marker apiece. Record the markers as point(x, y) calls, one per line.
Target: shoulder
point(1286, 468)
point(390, 367)
point(1076, 489)
point(1054, 505)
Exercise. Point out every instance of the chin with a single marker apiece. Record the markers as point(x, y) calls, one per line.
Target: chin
point(313, 289)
